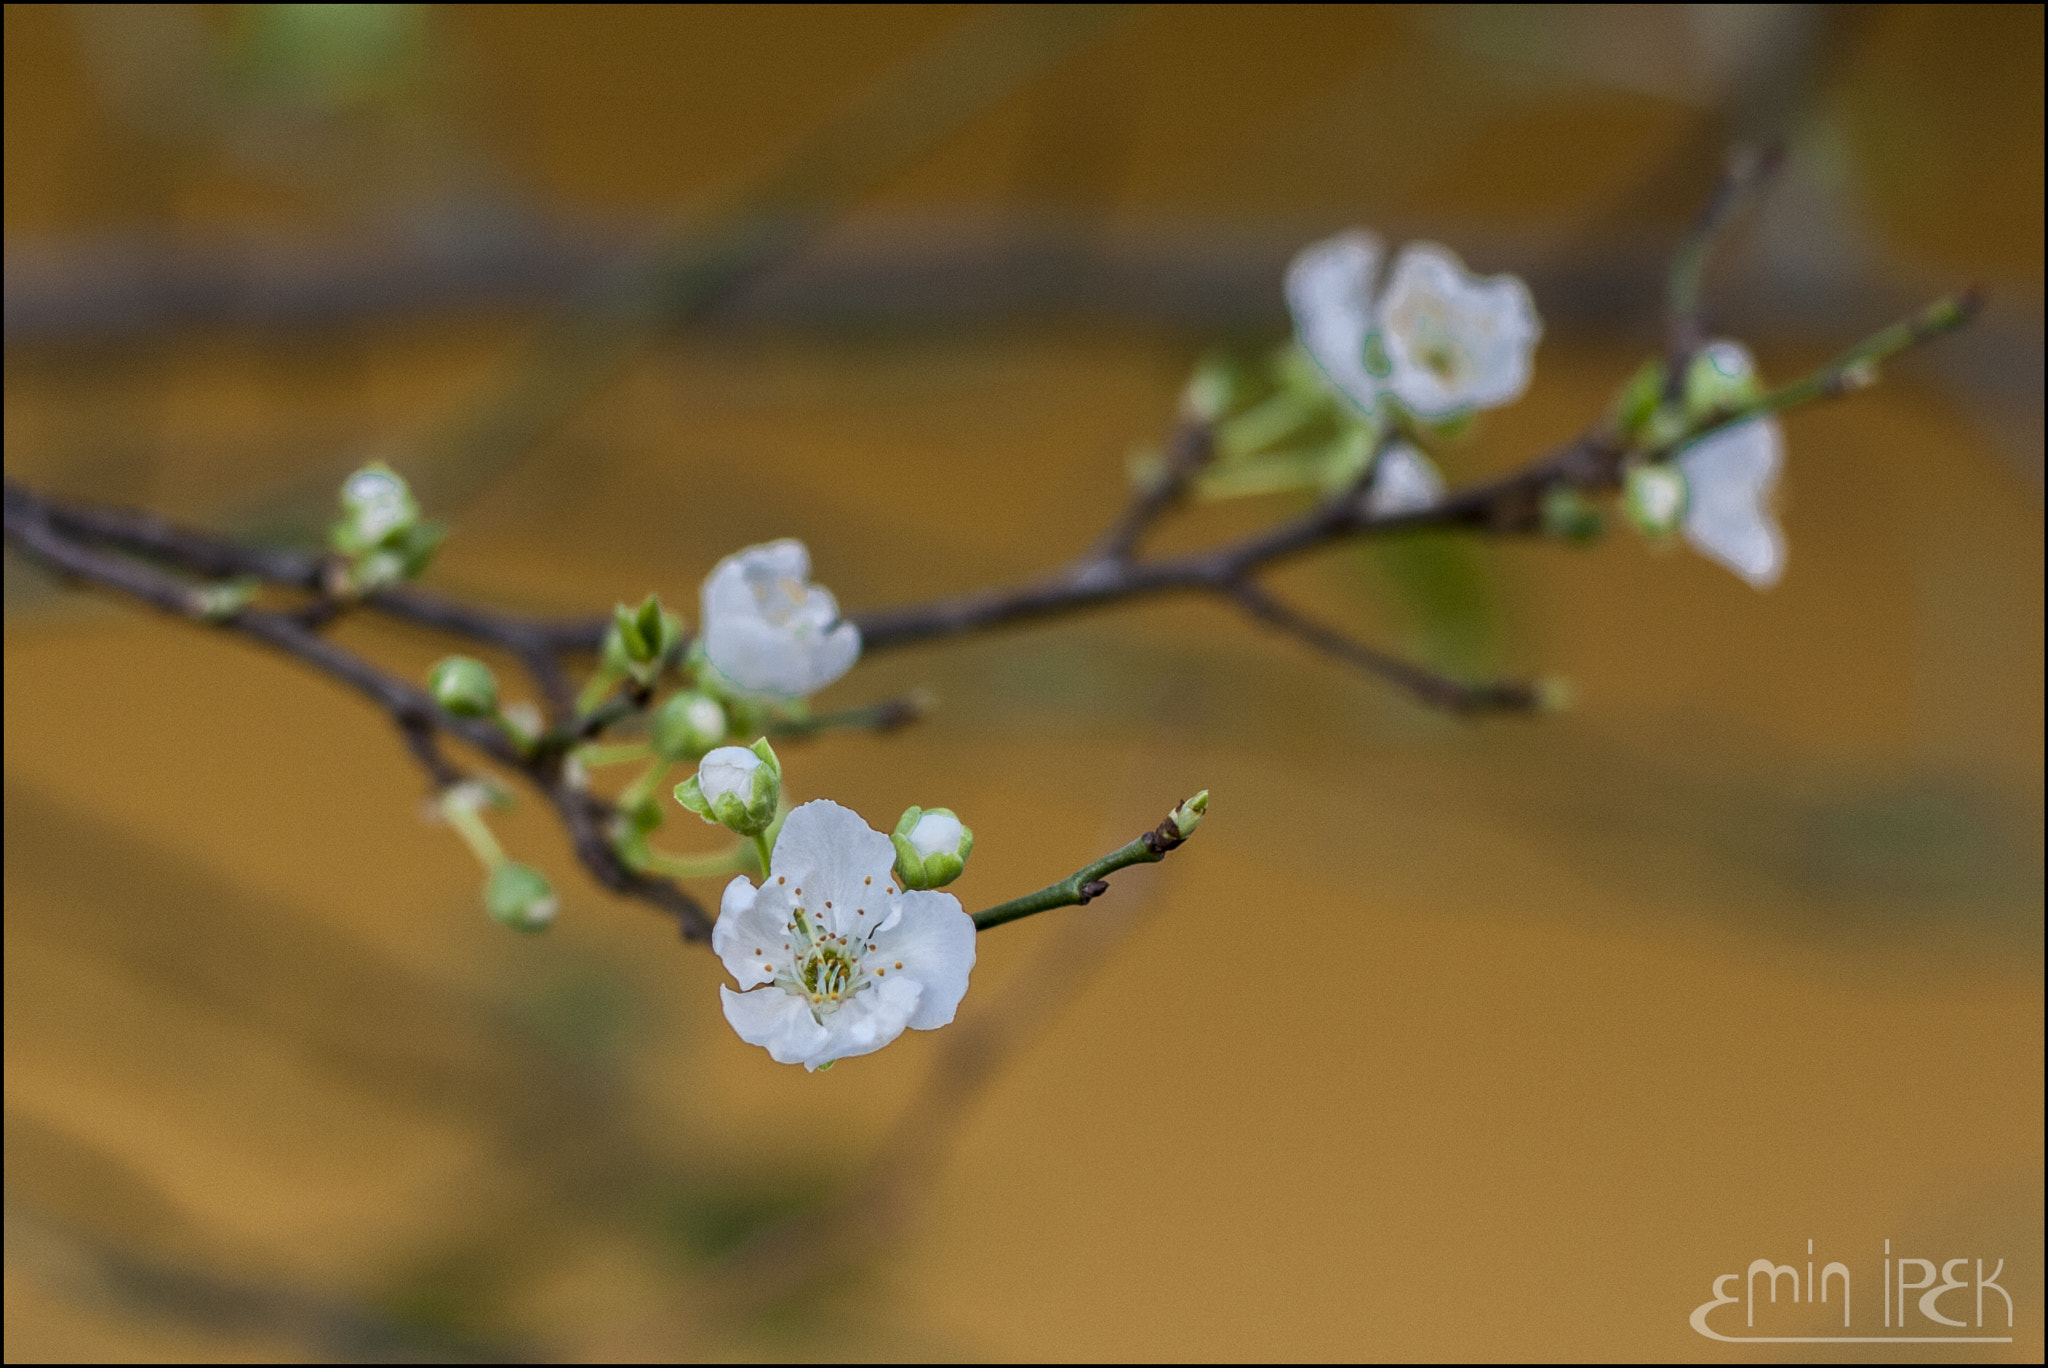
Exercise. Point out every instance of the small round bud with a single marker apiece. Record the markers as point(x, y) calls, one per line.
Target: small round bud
point(931, 847)
point(1189, 814)
point(520, 896)
point(1554, 695)
point(1654, 498)
point(688, 725)
point(464, 687)
point(1567, 515)
point(735, 788)
point(1720, 380)
point(376, 507)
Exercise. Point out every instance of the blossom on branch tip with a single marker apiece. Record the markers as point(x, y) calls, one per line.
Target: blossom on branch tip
point(1455, 341)
point(770, 632)
point(1730, 477)
point(831, 959)
point(1440, 340)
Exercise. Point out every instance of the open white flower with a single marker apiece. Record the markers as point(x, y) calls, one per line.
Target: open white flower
point(1329, 292)
point(1455, 341)
point(1729, 479)
point(1403, 481)
point(832, 960)
point(768, 630)
point(1438, 338)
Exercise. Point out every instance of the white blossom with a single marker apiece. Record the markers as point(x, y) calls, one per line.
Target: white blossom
point(1437, 338)
point(768, 630)
point(1329, 291)
point(1455, 341)
point(831, 958)
point(1730, 477)
point(1403, 481)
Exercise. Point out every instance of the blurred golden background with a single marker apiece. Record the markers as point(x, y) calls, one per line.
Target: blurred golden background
point(1444, 1040)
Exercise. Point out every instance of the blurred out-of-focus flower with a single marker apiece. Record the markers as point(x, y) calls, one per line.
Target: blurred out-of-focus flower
point(1730, 476)
point(1440, 340)
point(1403, 481)
point(832, 960)
point(768, 631)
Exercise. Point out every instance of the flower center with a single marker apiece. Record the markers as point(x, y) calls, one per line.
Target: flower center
point(1425, 325)
point(827, 967)
point(778, 597)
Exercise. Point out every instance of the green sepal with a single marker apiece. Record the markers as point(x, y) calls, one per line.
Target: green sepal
point(691, 795)
point(1639, 398)
point(1711, 391)
point(936, 870)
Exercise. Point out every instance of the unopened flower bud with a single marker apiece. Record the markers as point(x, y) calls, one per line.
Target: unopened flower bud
point(931, 847)
point(735, 788)
point(520, 896)
point(1189, 814)
point(464, 687)
point(376, 506)
point(1654, 498)
point(645, 636)
point(1567, 515)
point(688, 725)
point(1720, 380)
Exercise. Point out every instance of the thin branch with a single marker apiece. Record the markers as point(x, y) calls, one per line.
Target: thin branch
point(1426, 685)
point(1091, 881)
point(1746, 172)
point(1189, 450)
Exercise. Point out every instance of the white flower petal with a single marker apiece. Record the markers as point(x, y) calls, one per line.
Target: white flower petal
point(934, 943)
point(870, 1020)
point(1329, 291)
point(936, 832)
point(729, 769)
point(748, 937)
point(768, 630)
point(1730, 476)
point(1403, 481)
point(836, 858)
point(1456, 341)
point(779, 1022)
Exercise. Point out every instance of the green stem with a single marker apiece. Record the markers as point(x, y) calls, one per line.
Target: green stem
point(1090, 881)
point(762, 850)
point(595, 757)
point(737, 860)
point(469, 824)
point(876, 717)
point(1855, 369)
point(637, 791)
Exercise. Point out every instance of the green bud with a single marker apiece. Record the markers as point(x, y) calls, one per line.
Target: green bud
point(520, 896)
point(1721, 379)
point(1639, 399)
point(1189, 814)
point(1568, 516)
point(464, 687)
point(1213, 389)
point(646, 635)
point(738, 789)
point(1654, 497)
point(376, 507)
point(687, 726)
point(931, 847)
